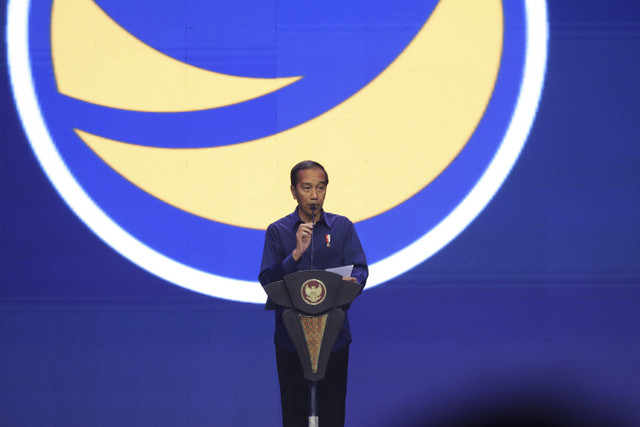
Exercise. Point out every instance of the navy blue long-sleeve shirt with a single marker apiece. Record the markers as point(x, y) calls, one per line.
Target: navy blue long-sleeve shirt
point(335, 243)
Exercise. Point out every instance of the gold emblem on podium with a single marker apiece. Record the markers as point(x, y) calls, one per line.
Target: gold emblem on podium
point(313, 291)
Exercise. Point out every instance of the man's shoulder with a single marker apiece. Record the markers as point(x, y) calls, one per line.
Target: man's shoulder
point(285, 221)
point(335, 219)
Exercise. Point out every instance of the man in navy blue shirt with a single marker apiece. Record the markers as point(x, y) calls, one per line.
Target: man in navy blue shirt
point(286, 250)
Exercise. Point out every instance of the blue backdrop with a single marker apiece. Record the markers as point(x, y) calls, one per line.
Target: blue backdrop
point(531, 313)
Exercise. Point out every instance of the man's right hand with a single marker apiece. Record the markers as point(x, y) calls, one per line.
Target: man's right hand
point(303, 240)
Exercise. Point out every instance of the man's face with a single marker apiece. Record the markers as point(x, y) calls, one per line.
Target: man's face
point(311, 188)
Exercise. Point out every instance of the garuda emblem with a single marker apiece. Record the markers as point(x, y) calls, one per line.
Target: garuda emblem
point(313, 291)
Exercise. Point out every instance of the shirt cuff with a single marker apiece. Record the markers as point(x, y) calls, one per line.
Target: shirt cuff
point(290, 265)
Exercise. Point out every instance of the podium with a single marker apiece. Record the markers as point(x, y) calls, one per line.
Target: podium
point(312, 302)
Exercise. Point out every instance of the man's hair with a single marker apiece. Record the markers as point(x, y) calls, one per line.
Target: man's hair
point(307, 164)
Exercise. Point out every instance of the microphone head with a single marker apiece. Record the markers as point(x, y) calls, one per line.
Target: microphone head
point(313, 207)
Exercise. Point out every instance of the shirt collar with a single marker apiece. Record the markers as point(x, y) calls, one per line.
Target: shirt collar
point(298, 220)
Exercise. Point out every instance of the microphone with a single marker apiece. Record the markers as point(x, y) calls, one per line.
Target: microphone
point(313, 222)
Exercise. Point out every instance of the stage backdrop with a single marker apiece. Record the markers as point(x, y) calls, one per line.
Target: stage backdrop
point(487, 151)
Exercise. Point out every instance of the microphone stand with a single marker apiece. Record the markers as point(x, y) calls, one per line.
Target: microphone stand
point(313, 222)
point(313, 386)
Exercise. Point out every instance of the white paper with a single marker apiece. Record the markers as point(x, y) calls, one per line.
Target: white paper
point(344, 271)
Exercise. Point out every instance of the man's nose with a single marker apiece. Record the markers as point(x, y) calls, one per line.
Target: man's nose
point(314, 194)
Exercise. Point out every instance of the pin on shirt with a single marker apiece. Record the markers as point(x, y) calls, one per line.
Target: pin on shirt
point(328, 236)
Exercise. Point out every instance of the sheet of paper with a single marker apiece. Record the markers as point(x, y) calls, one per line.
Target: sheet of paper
point(344, 271)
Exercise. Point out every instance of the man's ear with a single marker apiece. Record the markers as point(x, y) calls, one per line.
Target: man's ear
point(293, 191)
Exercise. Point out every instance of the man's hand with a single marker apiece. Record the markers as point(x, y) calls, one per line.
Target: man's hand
point(303, 240)
point(350, 279)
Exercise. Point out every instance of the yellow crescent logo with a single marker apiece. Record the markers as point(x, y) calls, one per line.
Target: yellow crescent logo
point(427, 124)
point(95, 60)
point(422, 122)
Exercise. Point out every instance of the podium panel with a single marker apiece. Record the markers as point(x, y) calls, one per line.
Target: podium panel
point(313, 302)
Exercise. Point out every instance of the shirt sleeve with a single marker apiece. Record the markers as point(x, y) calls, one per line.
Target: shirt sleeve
point(277, 261)
point(354, 254)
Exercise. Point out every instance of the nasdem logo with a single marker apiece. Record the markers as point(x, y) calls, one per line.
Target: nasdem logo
point(170, 130)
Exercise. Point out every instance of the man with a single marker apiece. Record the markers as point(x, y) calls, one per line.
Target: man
point(286, 250)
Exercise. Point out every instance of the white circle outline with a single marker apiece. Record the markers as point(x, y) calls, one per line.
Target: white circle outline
point(250, 291)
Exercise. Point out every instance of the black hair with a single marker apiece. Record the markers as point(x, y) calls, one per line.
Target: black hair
point(307, 164)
